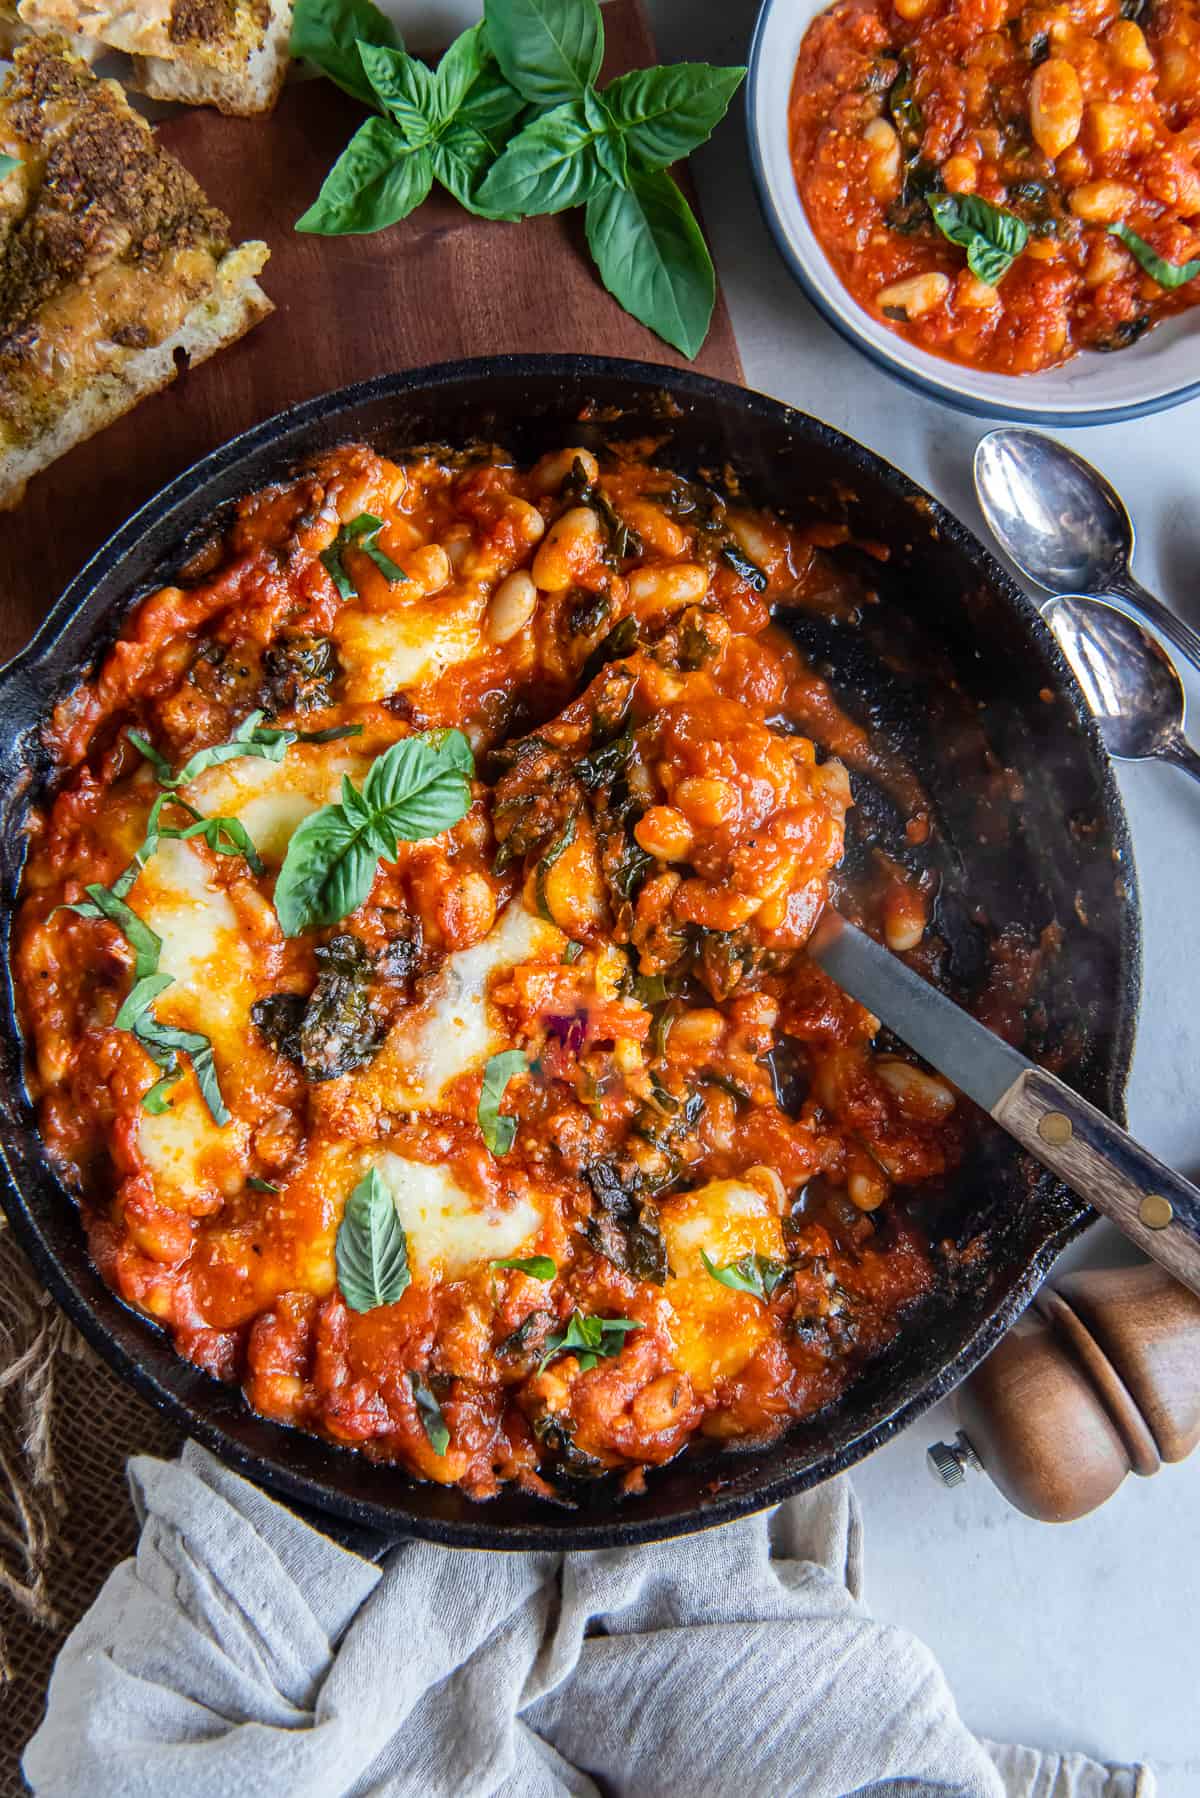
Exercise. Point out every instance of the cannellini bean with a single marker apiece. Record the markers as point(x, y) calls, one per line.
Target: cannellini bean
point(1055, 106)
point(903, 919)
point(662, 1403)
point(970, 291)
point(1106, 260)
point(832, 779)
point(529, 520)
point(911, 9)
point(457, 545)
point(883, 170)
point(706, 801)
point(960, 175)
point(919, 1095)
point(696, 1032)
point(1110, 127)
point(627, 1055)
point(1127, 41)
point(668, 586)
point(571, 546)
point(1102, 202)
point(549, 474)
point(428, 568)
point(768, 1182)
point(512, 606)
point(915, 295)
point(659, 534)
point(867, 1189)
point(665, 833)
point(753, 541)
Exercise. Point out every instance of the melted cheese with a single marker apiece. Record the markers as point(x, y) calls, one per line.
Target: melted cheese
point(454, 1031)
point(449, 1231)
point(273, 798)
point(392, 651)
point(716, 1330)
point(188, 1156)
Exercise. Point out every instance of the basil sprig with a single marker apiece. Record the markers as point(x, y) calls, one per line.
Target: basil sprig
point(1167, 274)
point(371, 1249)
point(430, 1413)
point(538, 1267)
point(758, 1275)
point(992, 237)
point(416, 789)
point(591, 1338)
point(513, 125)
point(361, 533)
point(499, 1130)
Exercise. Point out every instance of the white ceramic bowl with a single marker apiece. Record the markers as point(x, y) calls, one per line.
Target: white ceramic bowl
point(1093, 388)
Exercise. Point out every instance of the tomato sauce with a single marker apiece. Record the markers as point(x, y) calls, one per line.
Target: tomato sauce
point(1077, 129)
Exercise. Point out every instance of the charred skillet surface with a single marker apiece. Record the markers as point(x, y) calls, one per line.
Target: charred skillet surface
point(951, 664)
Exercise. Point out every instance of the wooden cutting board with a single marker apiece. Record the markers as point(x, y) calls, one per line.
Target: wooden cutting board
point(438, 286)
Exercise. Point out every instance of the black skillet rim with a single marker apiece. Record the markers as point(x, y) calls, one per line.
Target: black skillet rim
point(392, 1519)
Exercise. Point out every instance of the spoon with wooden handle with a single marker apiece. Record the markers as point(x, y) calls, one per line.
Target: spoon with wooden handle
point(1154, 1206)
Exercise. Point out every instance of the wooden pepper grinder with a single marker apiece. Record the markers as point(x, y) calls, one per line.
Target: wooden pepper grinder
point(1099, 1378)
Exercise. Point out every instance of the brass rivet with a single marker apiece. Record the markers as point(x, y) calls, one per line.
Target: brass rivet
point(1054, 1128)
point(1155, 1211)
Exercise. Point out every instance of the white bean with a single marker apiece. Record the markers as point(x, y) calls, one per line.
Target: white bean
point(512, 606)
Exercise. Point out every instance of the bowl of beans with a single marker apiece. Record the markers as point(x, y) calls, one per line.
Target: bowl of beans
point(998, 201)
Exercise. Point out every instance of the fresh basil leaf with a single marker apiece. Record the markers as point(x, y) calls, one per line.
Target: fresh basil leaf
point(403, 88)
point(331, 734)
point(327, 33)
point(572, 952)
point(549, 50)
point(559, 844)
point(377, 180)
point(462, 157)
point(257, 1185)
point(460, 67)
point(156, 1098)
point(538, 1267)
point(416, 789)
point(499, 1130)
point(251, 738)
point(371, 1249)
point(492, 107)
point(664, 114)
point(653, 259)
point(590, 1338)
point(758, 1275)
point(141, 939)
point(7, 165)
point(140, 998)
point(744, 568)
point(1167, 274)
point(992, 237)
point(164, 1042)
point(362, 533)
point(430, 1413)
point(550, 165)
point(611, 152)
point(155, 757)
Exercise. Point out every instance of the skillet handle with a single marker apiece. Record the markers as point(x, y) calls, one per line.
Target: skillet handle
point(1154, 1206)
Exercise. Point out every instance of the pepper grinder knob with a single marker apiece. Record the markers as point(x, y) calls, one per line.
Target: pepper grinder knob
point(1099, 1378)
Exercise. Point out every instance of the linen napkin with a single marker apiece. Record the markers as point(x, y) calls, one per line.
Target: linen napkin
point(241, 1654)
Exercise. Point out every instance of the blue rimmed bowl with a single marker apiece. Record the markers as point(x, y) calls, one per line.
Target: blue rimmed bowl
point(1161, 370)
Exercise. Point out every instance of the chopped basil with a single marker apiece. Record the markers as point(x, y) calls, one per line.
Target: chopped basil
point(258, 1185)
point(572, 952)
point(361, 533)
point(499, 1130)
point(992, 237)
point(1167, 274)
point(430, 1412)
point(163, 1041)
point(414, 790)
point(7, 165)
point(538, 1267)
point(591, 1338)
point(758, 1275)
point(102, 902)
point(371, 1249)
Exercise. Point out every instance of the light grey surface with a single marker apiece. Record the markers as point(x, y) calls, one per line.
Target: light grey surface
point(1080, 1636)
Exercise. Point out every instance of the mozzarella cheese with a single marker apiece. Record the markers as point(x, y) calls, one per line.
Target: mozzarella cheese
point(390, 652)
point(449, 1231)
point(273, 798)
point(716, 1330)
point(454, 1031)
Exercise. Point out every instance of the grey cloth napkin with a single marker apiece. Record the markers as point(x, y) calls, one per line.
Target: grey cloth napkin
point(243, 1655)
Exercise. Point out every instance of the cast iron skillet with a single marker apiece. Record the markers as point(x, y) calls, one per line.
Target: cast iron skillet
point(952, 666)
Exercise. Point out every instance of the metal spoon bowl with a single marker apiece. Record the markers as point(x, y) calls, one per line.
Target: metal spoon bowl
point(1128, 679)
point(1064, 525)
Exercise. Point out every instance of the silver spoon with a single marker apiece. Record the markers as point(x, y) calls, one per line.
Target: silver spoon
point(1128, 679)
point(1064, 526)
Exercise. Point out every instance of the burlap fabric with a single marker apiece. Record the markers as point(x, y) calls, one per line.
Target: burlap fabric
point(67, 1427)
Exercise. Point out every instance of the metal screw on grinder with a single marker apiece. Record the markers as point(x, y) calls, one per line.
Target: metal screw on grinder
point(949, 1462)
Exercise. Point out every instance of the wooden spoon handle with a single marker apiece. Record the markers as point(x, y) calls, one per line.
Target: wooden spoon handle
point(1154, 1206)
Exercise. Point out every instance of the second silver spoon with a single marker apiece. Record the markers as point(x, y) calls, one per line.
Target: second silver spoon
point(1128, 679)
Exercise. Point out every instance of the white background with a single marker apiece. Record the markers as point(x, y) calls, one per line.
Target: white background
point(1081, 1636)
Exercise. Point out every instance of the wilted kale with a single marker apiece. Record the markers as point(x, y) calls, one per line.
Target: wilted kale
point(299, 675)
point(623, 1226)
point(337, 1027)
